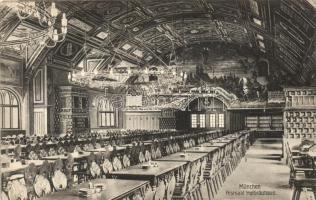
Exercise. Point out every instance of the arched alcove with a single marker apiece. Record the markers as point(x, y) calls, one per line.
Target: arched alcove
point(10, 108)
point(263, 67)
point(207, 112)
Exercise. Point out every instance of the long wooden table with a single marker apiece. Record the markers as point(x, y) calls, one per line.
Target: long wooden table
point(183, 157)
point(215, 144)
point(114, 189)
point(105, 149)
point(203, 149)
point(151, 173)
point(65, 156)
point(19, 167)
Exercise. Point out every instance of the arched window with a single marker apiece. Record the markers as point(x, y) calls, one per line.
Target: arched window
point(106, 116)
point(9, 110)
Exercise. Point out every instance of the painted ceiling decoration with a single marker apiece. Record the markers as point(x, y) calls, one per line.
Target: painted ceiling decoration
point(151, 32)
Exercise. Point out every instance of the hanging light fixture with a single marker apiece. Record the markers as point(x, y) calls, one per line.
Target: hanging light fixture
point(129, 71)
point(69, 76)
point(111, 71)
point(174, 72)
point(146, 71)
point(50, 33)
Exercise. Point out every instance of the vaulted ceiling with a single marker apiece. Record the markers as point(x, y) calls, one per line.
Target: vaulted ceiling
point(145, 32)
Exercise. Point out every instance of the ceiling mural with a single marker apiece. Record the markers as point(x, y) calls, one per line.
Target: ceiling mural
point(172, 7)
point(192, 29)
point(130, 19)
point(146, 32)
point(80, 24)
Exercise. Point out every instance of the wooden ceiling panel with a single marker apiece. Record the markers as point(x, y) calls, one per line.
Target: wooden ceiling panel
point(159, 8)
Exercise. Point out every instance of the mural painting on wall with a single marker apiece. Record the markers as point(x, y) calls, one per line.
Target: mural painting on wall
point(11, 72)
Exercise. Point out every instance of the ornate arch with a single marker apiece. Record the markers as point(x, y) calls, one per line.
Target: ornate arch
point(181, 101)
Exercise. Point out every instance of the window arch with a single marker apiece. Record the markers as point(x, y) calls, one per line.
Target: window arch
point(9, 110)
point(106, 113)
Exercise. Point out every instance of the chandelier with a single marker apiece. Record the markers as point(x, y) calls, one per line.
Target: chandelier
point(51, 31)
point(94, 79)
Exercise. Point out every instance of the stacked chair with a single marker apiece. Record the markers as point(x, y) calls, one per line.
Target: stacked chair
point(302, 174)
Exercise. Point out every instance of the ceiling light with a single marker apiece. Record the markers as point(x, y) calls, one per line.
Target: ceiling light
point(257, 21)
point(259, 36)
point(102, 35)
point(194, 31)
point(48, 34)
point(146, 71)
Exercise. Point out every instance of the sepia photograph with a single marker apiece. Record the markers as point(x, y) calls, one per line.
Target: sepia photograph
point(158, 99)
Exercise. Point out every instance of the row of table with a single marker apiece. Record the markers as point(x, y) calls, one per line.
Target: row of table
point(133, 178)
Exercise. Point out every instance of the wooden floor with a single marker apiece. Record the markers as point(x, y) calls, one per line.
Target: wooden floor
point(261, 166)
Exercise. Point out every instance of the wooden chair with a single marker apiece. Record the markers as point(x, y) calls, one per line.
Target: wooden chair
point(41, 185)
point(204, 190)
point(160, 191)
point(141, 157)
point(17, 190)
point(126, 161)
point(58, 178)
point(147, 155)
point(52, 151)
point(117, 165)
point(171, 149)
point(78, 148)
point(17, 152)
point(170, 188)
point(97, 146)
point(149, 193)
point(32, 153)
point(60, 149)
point(167, 150)
point(158, 153)
point(304, 185)
point(153, 152)
point(4, 196)
point(137, 195)
point(107, 166)
point(95, 170)
point(29, 176)
point(203, 167)
point(181, 185)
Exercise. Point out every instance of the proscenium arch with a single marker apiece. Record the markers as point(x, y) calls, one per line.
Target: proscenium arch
point(187, 103)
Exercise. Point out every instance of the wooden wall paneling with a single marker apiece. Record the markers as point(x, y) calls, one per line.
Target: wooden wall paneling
point(40, 121)
point(141, 120)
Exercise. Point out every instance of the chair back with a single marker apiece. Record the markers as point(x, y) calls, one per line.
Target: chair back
point(141, 157)
point(95, 170)
point(42, 186)
point(107, 166)
point(149, 193)
point(17, 190)
point(126, 161)
point(4, 196)
point(147, 155)
point(117, 165)
point(160, 191)
point(171, 187)
point(59, 180)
